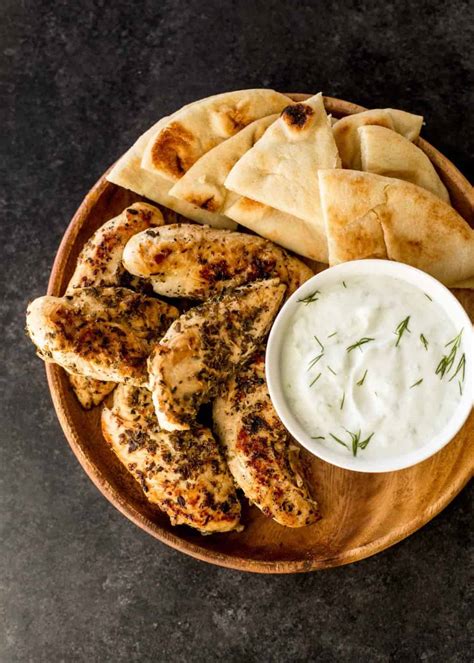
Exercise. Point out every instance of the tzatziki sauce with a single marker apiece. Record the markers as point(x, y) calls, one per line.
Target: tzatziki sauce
point(372, 366)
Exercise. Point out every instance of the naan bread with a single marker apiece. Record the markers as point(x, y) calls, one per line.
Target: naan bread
point(280, 170)
point(203, 184)
point(128, 173)
point(347, 140)
point(302, 237)
point(197, 128)
point(385, 152)
point(370, 216)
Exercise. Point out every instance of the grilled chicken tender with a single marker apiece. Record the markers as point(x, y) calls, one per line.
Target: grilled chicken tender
point(184, 473)
point(90, 392)
point(100, 261)
point(186, 260)
point(262, 456)
point(100, 264)
point(101, 333)
point(205, 346)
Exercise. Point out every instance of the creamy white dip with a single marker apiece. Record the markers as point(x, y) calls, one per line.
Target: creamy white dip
point(362, 361)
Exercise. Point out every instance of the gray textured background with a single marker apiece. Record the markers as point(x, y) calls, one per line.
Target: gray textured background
point(79, 81)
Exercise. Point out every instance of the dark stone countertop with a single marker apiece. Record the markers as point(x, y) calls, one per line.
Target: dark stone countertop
point(79, 81)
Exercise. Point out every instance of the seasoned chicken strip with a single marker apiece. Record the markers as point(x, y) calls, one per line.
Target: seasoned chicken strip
point(100, 261)
point(100, 264)
point(184, 472)
point(262, 456)
point(90, 392)
point(205, 346)
point(186, 260)
point(101, 333)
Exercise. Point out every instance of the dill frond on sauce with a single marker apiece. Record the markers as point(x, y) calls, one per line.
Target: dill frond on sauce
point(314, 361)
point(415, 384)
point(309, 299)
point(319, 342)
point(362, 380)
point(401, 329)
point(424, 341)
point(355, 443)
point(315, 379)
point(359, 343)
point(447, 361)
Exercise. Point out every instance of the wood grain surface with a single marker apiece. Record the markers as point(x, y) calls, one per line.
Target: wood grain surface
point(362, 513)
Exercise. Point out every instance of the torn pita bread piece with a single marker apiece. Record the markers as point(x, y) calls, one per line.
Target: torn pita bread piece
point(203, 184)
point(128, 174)
point(385, 152)
point(281, 168)
point(195, 129)
point(370, 216)
point(284, 229)
point(347, 140)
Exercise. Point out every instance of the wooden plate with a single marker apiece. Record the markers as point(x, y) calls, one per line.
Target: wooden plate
point(362, 513)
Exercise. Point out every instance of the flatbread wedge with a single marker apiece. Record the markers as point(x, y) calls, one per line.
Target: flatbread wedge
point(347, 140)
point(203, 183)
point(128, 173)
point(385, 152)
point(370, 216)
point(280, 170)
point(298, 235)
point(195, 129)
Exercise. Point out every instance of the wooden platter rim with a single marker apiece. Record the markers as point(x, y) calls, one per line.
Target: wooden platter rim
point(56, 386)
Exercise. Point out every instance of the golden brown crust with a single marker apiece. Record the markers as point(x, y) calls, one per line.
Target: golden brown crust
point(101, 333)
point(297, 116)
point(89, 392)
point(206, 345)
point(171, 150)
point(262, 456)
point(184, 472)
point(190, 261)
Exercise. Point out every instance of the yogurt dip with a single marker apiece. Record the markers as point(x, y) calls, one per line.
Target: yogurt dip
point(372, 366)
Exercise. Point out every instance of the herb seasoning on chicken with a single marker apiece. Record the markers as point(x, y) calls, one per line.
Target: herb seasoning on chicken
point(185, 260)
point(101, 333)
point(184, 472)
point(263, 458)
point(205, 346)
point(100, 264)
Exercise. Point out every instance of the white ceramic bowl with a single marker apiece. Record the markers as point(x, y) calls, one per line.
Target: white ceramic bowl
point(437, 292)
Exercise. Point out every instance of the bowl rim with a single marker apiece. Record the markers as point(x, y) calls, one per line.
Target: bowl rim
point(455, 181)
point(416, 277)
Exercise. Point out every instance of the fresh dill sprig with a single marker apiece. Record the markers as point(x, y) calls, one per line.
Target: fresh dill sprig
point(356, 443)
point(415, 384)
point(339, 441)
point(461, 367)
point(360, 342)
point(319, 343)
point(318, 437)
point(427, 296)
point(309, 299)
point(333, 334)
point(344, 284)
point(361, 381)
point(424, 341)
point(447, 361)
point(460, 387)
point(401, 329)
point(314, 361)
point(315, 379)
point(333, 372)
point(342, 400)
